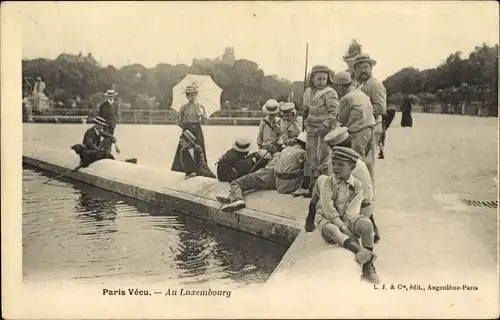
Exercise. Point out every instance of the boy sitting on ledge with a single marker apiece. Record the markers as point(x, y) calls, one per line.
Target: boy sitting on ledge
point(192, 160)
point(336, 203)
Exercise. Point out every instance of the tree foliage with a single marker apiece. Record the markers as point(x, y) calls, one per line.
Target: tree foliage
point(457, 80)
point(244, 84)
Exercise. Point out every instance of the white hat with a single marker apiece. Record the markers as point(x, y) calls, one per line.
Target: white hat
point(336, 136)
point(287, 107)
point(241, 145)
point(342, 77)
point(110, 93)
point(100, 121)
point(271, 107)
point(302, 137)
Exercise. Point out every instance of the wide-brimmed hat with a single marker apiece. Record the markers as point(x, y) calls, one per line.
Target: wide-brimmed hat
point(342, 77)
point(191, 89)
point(336, 136)
point(110, 93)
point(271, 106)
point(241, 145)
point(287, 107)
point(100, 120)
point(360, 58)
point(189, 136)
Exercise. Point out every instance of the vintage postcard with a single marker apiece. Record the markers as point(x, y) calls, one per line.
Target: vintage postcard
point(285, 159)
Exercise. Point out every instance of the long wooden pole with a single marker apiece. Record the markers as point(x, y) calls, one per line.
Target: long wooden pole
point(305, 84)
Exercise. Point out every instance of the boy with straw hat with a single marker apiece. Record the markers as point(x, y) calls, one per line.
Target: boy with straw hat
point(270, 127)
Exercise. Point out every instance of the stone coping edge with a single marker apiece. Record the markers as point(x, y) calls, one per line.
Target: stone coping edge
point(268, 226)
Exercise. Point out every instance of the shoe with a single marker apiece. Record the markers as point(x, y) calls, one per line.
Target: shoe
point(222, 199)
point(381, 155)
point(369, 273)
point(234, 206)
point(364, 255)
point(299, 193)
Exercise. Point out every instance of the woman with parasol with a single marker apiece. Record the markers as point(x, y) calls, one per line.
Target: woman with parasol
point(190, 117)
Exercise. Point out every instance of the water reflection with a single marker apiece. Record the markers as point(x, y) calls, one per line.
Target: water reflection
point(92, 233)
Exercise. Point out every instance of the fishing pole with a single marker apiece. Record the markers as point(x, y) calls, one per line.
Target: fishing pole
point(305, 83)
point(64, 174)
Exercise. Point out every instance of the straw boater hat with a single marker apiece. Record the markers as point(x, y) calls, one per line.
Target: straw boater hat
point(287, 107)
point(271, 107)
point(241, 145)
point(188, 135)
point(360, 58)
point(346, 154)
point(342, 78)
point(336, 136)
point(191, 89)
point(100, 121)
point(110, 93)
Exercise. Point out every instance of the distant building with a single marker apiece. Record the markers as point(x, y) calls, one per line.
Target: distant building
point(79, 58)
point(227, 57)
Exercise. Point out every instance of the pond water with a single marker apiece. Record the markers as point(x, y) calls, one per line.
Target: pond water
point(76, 232)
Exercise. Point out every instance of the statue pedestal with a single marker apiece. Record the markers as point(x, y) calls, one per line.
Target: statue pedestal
point(40, 102)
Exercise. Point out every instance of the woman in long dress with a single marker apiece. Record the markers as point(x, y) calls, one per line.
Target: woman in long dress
point(406, 118)
point(191, 115)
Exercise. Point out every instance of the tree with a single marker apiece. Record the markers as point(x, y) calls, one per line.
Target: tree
point(353, 50)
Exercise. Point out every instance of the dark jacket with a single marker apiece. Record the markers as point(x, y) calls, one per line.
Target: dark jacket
point(226, 167)
point(109, 112)
point(91, 139)
point(196, 165)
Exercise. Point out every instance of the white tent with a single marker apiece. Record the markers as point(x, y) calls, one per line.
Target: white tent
point(208, 96)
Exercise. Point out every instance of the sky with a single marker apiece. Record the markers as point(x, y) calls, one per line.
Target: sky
point(397, 34)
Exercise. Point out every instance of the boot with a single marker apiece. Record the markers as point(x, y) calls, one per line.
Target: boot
point(223, 198)
point(234, 206)
point(303, 188)
point(369, 273)
point(381, 155)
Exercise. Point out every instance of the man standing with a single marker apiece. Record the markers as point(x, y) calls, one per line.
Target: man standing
point(108, 110)
point(355, 113)
point(374, 89)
